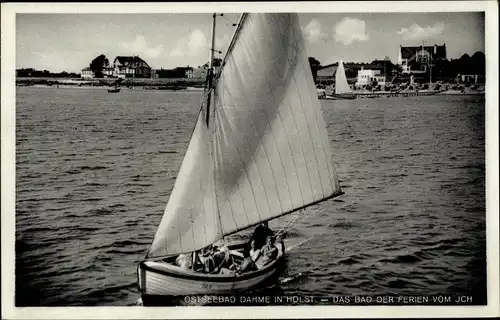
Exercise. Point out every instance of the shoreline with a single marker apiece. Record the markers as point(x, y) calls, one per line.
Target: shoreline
point(136, 88)
point(197, 89)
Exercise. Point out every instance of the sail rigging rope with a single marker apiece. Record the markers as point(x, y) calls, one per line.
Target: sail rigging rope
point(293, 222)
point(286, 227)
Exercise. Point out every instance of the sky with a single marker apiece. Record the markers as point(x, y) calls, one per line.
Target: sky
point(68, 42)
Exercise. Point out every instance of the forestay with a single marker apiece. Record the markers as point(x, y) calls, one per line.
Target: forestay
point(341, 85)
point(267, 153)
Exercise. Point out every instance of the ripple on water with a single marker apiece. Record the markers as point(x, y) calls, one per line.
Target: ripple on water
point(93, 177)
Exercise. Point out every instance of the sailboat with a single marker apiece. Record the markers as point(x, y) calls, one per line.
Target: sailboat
point(116, 87)
point(342, 89)
point(259, 150)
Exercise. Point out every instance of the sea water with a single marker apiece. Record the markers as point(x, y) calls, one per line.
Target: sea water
point(94, 171)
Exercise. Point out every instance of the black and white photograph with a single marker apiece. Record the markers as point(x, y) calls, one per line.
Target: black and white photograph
point(324, 155)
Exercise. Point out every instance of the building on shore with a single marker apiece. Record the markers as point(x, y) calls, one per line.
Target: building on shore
point(359, 74)
point(178, 72)
point(87, 73)
point(108, 72)
point(131, 67)
point(471, 78)
point(368, 77)
point(200, 72)
point(419, 60)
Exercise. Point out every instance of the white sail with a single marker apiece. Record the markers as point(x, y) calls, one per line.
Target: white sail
point(271, 147)
point(341, 85)
point(190, 221)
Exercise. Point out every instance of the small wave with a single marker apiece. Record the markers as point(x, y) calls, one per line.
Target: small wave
point(93, 184)
point(343, 225)
point(104, 292)
point(396, 156)
point(69, 270)
point(91, 199)
point(399, 283)
point(72, 215)
point(41, 229)
point(406, 258)
point(87, 229)
point(470, 166)
point(32, 175)
point(117, 205)
point(126, 243)
point(397, 175)
point(92, 168)
point(348, 261)
point(167, 152)
point(98, 212)
point(59, 208)
point(73, 171)
point(125, 251)
point(141, 184)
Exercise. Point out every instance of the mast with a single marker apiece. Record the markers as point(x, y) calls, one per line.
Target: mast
point(210, 69)
point(239, 25)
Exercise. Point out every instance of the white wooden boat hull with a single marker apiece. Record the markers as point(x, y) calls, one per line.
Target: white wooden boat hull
point(162, 279)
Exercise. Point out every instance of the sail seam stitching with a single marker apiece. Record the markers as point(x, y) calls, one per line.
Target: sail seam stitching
point(237, 151)
point(277, 148)
point(256, 166)
point(265, 152)
point(293, 115)
point(228, 200)
point(308, 129)
point(321, 132)
point(277, 151)
point(247, 177)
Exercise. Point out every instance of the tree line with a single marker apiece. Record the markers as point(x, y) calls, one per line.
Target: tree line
point(30, 72)
point(444, 68)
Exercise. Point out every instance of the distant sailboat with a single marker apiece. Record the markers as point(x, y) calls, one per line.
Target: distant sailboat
point(259, 150)
point(342, 89)
point(114, 90)
point(116, 87)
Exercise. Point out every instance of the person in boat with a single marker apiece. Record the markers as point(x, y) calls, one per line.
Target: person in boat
point(227, 265)
point(206, 260)
point(223, 259)
point(248, 263)
point(260, 235)
point(268, 253)
point(254, 252)
point(184, 261)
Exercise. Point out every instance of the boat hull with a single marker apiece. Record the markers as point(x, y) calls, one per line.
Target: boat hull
point(161, 279)
point(113, 90)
